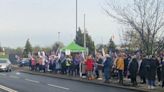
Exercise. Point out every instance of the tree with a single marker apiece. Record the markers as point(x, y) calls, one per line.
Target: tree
point(28, 49)
point(145, 17)
point(79, 39)
point(99, 48)
point(131, 40)
point(111, 45)
point(57, 46)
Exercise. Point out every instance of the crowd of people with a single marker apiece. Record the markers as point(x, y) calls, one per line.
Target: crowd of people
point(149, 69)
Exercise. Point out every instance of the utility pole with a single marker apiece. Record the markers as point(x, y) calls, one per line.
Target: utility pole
point(76, 14)
point(84, 33)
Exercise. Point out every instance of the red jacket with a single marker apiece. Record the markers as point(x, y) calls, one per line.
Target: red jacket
point(33, 61)
point(89, 64)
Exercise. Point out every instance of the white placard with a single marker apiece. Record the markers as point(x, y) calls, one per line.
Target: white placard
point(67, 52)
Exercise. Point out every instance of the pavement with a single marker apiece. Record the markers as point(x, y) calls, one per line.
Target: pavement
point(27, 82)
point(113, 84)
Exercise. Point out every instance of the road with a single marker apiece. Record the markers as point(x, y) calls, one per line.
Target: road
point(22, 82)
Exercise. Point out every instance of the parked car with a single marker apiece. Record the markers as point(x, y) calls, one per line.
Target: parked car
point(24, 62)
point(5, 65)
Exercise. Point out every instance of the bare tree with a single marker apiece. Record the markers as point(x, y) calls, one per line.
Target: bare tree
point(145, 17)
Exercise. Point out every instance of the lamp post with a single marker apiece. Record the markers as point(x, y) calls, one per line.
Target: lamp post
point(84, 33)
point(76, 14)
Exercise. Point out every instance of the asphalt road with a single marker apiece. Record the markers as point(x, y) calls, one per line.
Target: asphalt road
point(22, 82)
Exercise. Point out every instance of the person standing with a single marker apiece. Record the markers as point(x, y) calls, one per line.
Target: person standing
point(126, 63)
point(133, 69)
point(158, 64)
point(120, 67)
point(33, 64)
point(142, 70)
point(107, 68)
point(151, 72)
point(162, 73)
point(89, 67)
point(100, 67)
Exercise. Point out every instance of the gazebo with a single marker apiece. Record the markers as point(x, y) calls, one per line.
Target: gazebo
point(73, 47)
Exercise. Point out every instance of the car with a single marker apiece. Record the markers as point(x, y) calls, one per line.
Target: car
point(5, 65)
point(24, 62)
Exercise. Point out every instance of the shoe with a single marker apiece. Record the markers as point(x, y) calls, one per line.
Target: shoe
point(143, 83)
point(152, 87)
point(149, 87)
point(99, 79)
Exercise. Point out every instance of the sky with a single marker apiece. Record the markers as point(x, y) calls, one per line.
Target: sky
point(42, 20)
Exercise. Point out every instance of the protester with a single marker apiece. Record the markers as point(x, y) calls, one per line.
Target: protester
point(33, 63)
point(107, 68)
point(120, 67)
point(162, 73)
point(158, 64)
point(142, 70)
point(89, 67)
point(51, 61)
point(133, 69)
point(126, 63)
point(63, 65)
point(151, 72)
point(58, 65)
point(76, 63)
point(100, 67)
point(68, 65)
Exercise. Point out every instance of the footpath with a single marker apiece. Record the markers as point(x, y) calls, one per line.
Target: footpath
point(113, 83)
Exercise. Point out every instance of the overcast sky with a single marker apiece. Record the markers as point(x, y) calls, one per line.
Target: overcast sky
point(41, 20)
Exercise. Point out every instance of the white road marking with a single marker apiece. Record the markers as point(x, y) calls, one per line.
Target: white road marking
point(18, 73)
point(7, 89)
point(2, 74)
point(15, 77)
point(56, 86)
point(32, 80)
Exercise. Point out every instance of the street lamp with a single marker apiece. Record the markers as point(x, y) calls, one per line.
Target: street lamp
point(76, 14)
point(84, 33)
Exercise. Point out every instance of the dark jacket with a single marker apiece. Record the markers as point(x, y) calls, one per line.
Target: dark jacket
point(142, 70)
point(151, 69)
point(133, 68)
point(108, 64)
point(100, 64)
point(162, 71)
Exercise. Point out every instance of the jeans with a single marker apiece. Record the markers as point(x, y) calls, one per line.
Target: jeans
point(151, 82)
point(90, 74)
point(120, 74)
point(100, 73)
point(107, 75)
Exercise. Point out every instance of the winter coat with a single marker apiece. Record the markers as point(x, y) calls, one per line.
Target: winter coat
point(108, 64)
point(133, 68)
point(162, 71)
point(89, 64)
point(126, 63)
point(142, 69)
point(33, 61)
point(120, 63)
point(100, 64)
point(151, 69)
